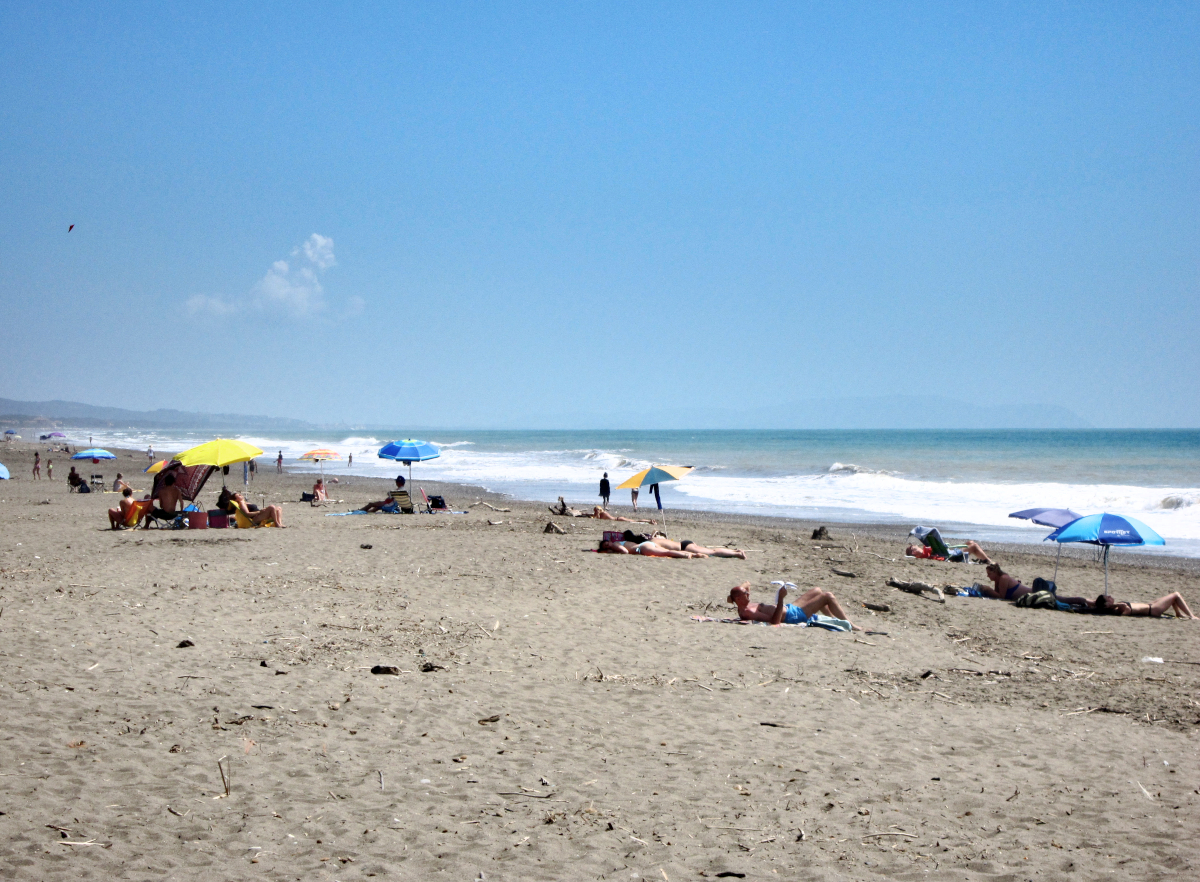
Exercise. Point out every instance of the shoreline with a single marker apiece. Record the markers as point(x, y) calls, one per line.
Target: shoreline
point(899, 535)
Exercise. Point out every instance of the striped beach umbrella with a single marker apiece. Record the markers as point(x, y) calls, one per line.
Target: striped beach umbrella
point(320, 456)
point(654, 476)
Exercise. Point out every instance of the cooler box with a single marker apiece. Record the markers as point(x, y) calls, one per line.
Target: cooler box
point(217, 519)
point(195, 520)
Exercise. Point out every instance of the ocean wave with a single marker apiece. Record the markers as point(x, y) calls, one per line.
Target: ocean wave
point(849, 468)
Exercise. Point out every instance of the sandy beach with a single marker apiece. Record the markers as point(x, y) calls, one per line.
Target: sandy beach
point(560, 714)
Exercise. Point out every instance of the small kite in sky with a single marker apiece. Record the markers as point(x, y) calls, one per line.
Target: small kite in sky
point(70, 228)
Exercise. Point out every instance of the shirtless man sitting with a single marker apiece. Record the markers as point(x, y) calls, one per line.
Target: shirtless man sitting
point(816, 600)
point(169, 499)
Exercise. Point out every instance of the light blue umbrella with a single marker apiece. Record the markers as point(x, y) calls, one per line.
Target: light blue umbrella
point(94, 453)
point(1107, 530)
point(409, 451)
point(3, 472)
point(1049, 517)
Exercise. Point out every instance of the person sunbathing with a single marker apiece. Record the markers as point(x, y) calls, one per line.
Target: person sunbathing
point(647, 549)
point(388, 505)
point(601, 515)
point(271, 513)
point(1007, 587)
point(117, 516)
point(688, 545)
point(957, 555)
point(1105, 605)
point(814, 601)
point(318, 492)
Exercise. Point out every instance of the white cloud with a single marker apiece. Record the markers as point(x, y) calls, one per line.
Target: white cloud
point(319, 251)
point(202, 304)
point(294, 292)
point(290, 289)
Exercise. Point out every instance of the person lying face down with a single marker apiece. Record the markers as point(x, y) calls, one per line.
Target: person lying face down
point(685, 545)
point(647, 548)
point(813, 601)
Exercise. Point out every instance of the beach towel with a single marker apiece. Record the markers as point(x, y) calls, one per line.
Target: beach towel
point(816, 620)
point(342, 514)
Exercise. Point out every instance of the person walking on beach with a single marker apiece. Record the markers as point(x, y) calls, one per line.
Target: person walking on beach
point(350, 461)
point(633, 496)
point(50, 470)
point(253, 469)
point(150, 452)
point(37, 466)
point(605, 489)
point(279, 463)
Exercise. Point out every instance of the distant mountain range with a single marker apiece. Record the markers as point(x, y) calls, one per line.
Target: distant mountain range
point(67, 414)
point(882, 412)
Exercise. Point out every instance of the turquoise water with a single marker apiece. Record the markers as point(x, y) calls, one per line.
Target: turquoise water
point(964, 480)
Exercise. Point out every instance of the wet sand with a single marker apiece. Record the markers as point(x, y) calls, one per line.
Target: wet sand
point(558, 714)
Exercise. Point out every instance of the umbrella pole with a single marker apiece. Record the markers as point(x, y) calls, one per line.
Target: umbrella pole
point(1105, 569)
point(1056, 560)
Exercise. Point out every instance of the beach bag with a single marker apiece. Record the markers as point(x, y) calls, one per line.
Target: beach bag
point(84, 488)
point(437, 502)
point(1040, 584)
point(613, 536)
point(1038, 600)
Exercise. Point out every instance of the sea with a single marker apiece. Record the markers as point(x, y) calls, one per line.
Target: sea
point(965, 482)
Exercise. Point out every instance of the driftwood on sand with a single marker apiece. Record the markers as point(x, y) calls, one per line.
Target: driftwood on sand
point(921, 589)
point(565, 511)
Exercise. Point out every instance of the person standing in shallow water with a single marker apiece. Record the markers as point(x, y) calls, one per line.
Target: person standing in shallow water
point(605, 490)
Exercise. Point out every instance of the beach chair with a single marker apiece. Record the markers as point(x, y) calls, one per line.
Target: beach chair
point(137, 511)
point(244, 522)
point(172, 522)
point(98, 481)
point(932, 539)
point(403, 501)
point(430, 506)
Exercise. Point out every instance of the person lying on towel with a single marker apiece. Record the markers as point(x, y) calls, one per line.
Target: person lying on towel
point(957, 555)
point(816, 600)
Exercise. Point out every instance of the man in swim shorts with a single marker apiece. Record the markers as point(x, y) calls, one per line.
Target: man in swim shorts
point(816, 600)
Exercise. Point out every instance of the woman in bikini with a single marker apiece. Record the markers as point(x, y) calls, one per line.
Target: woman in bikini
point(647, 549)
point(1105, 605)
point(1007, 587)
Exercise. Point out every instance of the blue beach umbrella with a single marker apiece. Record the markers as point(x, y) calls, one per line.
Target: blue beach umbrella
point(409, 451)
point(3, 472)
point(1048, 517)
point(95, 454)
point(1107, 530)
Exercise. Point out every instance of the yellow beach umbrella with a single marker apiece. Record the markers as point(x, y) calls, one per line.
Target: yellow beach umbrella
point(157, 467)
point(655, 475)
point(219, 453)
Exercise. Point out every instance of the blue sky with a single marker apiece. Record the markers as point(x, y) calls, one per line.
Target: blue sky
point(512, 214)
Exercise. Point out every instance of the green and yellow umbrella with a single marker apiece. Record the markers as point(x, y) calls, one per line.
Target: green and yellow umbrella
point(655, 475)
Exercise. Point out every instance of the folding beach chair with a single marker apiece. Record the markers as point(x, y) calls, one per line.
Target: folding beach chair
point(98, 481)
point(170, 522)
point(932, 539)
point(137, 511)
point(403, 501)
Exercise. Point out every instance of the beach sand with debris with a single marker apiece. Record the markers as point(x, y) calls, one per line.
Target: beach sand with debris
point(201, 704)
